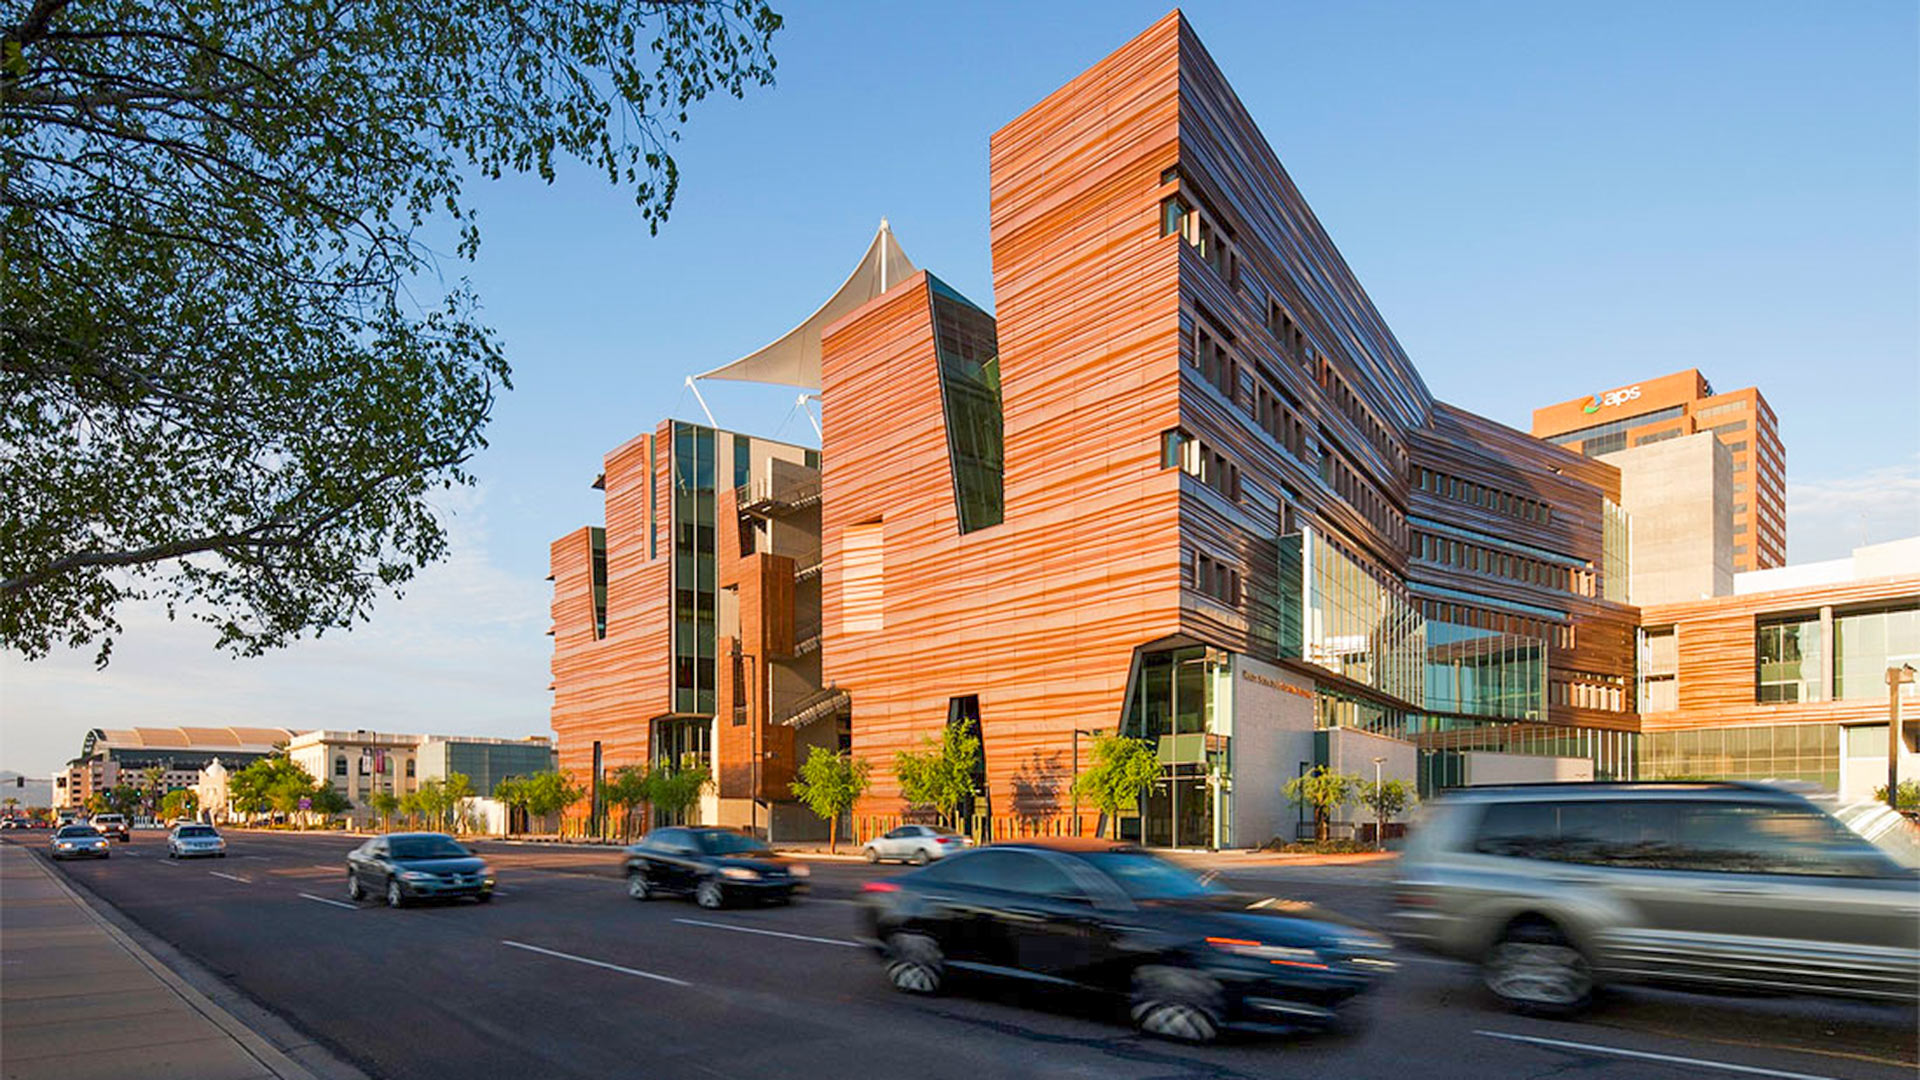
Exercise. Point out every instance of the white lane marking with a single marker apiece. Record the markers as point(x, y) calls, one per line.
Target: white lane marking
point(173, 863)
point(1643, 1055)
point(231, 877)
point(324, 900)
point(772, 933)
point(595, 963)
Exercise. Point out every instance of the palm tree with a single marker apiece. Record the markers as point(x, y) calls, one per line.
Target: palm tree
point(154, 776)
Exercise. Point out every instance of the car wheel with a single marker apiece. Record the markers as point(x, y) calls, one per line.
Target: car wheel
point(172, 854)
point(708, 894)
point(873, 856)
point(920, 857)
point(395, 898)
point(637, 886)
point(354, 891)
point(1534, 968)
point(484, 897)
point(1174, 1003)
point(915, 964)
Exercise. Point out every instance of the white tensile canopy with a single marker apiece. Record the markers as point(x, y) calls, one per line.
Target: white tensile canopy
point(794, 359)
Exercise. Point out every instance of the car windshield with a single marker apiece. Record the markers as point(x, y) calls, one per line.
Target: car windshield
point(730, 843)
point(428, 847)
point(196, 830)
point(77, 832)
point(1147, 877)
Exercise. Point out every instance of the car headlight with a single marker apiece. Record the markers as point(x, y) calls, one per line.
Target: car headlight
point(66, 844)
point(739, 873)
point(800, 870)
point(415, 875)
point(1284, 955)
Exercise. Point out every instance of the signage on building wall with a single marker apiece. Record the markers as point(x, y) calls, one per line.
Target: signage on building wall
point(1613, 397)
point(1276, 684)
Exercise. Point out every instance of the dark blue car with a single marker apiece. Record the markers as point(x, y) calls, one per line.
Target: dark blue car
point(1189, 959)
point(403, 867)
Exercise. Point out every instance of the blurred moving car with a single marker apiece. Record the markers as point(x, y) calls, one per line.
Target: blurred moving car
point(189, 840)
point(916, 844)
point(715, 866)
point(1112, 917)
point(404, 867)
point(111, 825)
point(1556, 888)
point(78, 842)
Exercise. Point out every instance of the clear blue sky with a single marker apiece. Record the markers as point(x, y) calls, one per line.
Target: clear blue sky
point(1542, 202)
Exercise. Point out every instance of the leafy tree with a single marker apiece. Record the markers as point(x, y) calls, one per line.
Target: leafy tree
point(1122, 768)
point(179, 803)
point(326, 800)
point(123, 799)
point(675, 789)
point(941, 774)
point(97, 803)
point(1385, 798)
point(629, 787)
point(9, 802)
point(385, 804)
point(511, 791)
point(230, 378)
point(457, 789)
point(152, 781)
point(1909, 795)
point(549, 793)
point(830, 783)
point(1322, 790)
point(275, 782)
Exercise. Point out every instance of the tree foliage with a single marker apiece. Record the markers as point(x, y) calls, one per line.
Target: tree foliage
point(1385, 798)
point(1323, 791)
point(941, 773)
point(538, 795)
point(829, 784)
point(179, 803)
point(438, 804)
point(232, 366)
point(629, 787)
point(674, 789)
point(1121, 769)
point(385, 804)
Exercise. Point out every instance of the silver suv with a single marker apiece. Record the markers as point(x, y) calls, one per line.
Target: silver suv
point(1556, 888)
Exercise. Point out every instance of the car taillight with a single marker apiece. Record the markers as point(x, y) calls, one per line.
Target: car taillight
point(949, 839)
point(880, 887)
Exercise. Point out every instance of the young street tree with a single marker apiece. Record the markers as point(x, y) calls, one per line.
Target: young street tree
point(673, 790)
point(1322, 791)
point(1122, 768)
point(385, 804)
point(941, 774)
point(830, 784)
point(628, 788)
point(229, 377)
point(1385, 799)
point(179, 803)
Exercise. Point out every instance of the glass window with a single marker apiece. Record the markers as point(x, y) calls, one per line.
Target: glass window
point(742, 460)
point(1146, 877)
point(1741, 838)
point(1019, 872)
point(1866, 644)
point(340, 766)
point(1788, 658)
point(1173, 216)
point(428, 847)
point(968, 349)
point(726, 842)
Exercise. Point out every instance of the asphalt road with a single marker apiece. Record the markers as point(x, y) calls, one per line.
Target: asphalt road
point(563, 976)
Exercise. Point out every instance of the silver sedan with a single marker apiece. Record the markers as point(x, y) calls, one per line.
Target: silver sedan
point(187, 841)
point(78, 842)
point(916, 844)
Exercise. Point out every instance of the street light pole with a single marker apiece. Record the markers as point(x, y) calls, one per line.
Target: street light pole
point(1896, 678)
point(1379, 819)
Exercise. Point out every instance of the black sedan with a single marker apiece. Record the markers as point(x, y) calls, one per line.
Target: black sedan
point(1114, 918)
point(715, 866)
point(404, 867)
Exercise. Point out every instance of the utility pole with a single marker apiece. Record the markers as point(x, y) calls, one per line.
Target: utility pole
point(1896, 678)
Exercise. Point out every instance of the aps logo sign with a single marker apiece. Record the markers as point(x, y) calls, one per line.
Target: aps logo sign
point(1612, 397)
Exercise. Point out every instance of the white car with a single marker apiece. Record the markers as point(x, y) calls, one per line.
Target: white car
point(79, 842)
point(190, 840)
point(916, 844)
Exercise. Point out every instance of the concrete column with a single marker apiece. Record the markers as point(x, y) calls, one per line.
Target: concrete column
point(1826, 654)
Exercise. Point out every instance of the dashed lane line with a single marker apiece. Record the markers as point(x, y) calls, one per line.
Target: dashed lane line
point(324, 900)
point(1642, 1055)
point(232, 877)
point(595, 963)
point(842, 942)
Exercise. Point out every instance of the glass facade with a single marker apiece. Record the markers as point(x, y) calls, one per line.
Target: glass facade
point(1612, 435)
point(599, 540)
point(486, 764)
point(1180, 702)
point(1866, 644)
point(694, 566)
point(969, 355)
point(1351, 623)
point(1788, 660)
point(1485, 672)
point(1758, 752)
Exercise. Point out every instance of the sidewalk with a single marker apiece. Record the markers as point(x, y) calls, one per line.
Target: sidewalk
point(81, 999)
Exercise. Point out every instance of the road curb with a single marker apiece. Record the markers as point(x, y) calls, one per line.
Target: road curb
point(271, 1057)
